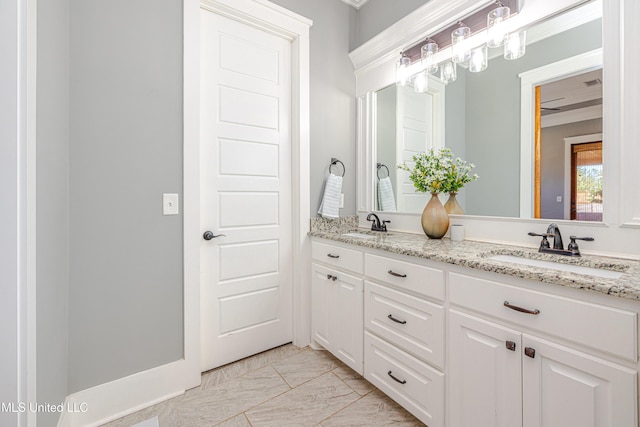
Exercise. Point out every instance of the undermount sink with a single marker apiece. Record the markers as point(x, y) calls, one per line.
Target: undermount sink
point(361, 235)
point(572, 268)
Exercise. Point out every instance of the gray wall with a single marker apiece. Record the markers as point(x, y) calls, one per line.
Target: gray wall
point(455, 130)
point(493, 119)
point(52, 202)
point(376, 15)
point(125, 292)
point(9, 181)
point(552, 183)
point(333, 108)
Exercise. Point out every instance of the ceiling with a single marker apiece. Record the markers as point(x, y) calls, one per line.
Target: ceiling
point(355, 3)
point(573, 90)
point(572, 99)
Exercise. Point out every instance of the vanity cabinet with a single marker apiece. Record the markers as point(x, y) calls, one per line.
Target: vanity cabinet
point(459, 347)
point(509, 368)
point(337, 302)
point(404, 318)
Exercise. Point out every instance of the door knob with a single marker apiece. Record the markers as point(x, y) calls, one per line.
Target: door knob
point(208, 235)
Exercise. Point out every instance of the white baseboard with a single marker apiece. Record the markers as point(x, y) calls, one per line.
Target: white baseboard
point(107, 402)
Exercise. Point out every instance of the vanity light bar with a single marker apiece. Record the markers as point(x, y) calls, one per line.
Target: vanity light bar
point(477, 22)
point(474, 35)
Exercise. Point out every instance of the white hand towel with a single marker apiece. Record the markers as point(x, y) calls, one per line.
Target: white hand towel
point(329, 208)
point(386, 199)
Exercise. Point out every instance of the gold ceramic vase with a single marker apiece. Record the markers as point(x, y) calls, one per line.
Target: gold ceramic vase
point(452, 206)
point(435, 219)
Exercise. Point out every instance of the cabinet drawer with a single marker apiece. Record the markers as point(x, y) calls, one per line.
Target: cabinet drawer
point(409, 322)
point(604, 328)
point(338, 256)
point(413, 384)
point(413, 277)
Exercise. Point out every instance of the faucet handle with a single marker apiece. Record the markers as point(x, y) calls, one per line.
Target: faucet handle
point(384, 224)
point(544, 243)
point(573, 246)
point(586, 239)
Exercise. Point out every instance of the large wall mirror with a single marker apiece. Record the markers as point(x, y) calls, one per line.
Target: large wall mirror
point(485, 119)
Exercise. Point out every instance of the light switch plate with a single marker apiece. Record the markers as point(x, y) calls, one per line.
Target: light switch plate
point(559, 199)
point(170, 204)
point(341, 201)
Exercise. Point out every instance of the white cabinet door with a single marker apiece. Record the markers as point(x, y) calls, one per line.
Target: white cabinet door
point(485, 383)
point(337, 314)
point(321, 293)
point(567, 388)
point(348, 316)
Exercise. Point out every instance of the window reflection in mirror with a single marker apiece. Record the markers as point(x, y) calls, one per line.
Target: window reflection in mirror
point(570, 128)
point(481, 114)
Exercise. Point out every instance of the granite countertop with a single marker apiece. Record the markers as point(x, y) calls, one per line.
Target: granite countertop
point(477, 255)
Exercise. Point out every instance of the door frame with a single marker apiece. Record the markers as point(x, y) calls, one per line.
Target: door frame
point(295, 28)
point(17, 162)
point(575, 65)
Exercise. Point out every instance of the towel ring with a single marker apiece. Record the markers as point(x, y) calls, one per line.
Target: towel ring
point(333, 162)
point(380, 166)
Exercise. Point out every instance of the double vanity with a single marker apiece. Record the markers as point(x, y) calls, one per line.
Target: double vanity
point(479, 334)
point(474, 333)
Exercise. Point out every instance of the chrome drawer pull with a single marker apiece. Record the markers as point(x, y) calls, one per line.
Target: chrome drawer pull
point(396, 379)
point(402, 322)
point(393, 273)
point(333, 256)
point(520, 309)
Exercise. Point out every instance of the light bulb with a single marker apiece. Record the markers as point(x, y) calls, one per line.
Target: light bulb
point(402, 70)
point(461, 51)
point(421, 82)
point(448, 74)
point(514, 47)
point(428, 53)
point(479, 59)
point(496, 33)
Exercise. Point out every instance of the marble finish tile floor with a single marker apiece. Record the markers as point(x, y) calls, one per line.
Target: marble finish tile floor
point(286, 386)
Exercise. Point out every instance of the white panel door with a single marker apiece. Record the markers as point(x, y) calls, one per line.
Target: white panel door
point(414, 135)
point(567, 388)
point(485, 383)
point(245, 190)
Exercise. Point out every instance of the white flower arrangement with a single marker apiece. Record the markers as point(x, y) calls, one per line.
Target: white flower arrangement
point(438, 172)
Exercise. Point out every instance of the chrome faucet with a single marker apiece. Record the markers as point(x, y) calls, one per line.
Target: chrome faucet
point(558, 247)
point(377, 225)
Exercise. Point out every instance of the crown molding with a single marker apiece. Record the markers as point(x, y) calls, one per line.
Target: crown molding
point(355, 3)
